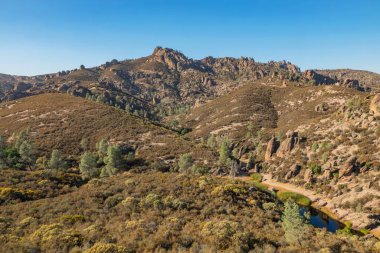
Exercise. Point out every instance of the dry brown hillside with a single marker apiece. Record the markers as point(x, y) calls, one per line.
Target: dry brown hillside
point(60, 121)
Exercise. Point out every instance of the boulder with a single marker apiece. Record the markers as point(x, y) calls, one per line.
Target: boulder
point(322, 107)
point(271, 148)
point(308, 176)
point(287, 145)
point(348, 167)
point(294, 170)
point(327, 174)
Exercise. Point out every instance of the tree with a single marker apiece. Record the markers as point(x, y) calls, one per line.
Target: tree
point(84, 144)
point(113, 161)
point(56, 161)
point(87, 166)
point(102, 146)
point(224, 151)
point(211, 141)
point(26, 153)
point(293, 223)
point(82, 66)
point(185, 162)
point(21, 137)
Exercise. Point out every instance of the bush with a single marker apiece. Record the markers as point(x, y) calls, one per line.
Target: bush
point(185, 162)
point(296, 197)
point(260, 186)
point(225, 234)
point(316, 169)
point(256, 177)
point(106, 248)
point(72, 218)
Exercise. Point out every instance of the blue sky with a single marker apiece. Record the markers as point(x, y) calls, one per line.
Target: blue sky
point(43, 36)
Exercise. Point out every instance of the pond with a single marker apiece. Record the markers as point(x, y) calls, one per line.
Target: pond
point(321, 220)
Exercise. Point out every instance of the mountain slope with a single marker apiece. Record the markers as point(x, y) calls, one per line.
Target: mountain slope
point(60, 121)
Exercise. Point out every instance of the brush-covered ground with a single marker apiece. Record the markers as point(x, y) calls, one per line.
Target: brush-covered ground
point(159, 212)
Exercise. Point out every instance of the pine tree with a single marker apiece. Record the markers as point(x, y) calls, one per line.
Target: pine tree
point(21, 137)
point(102, 146)
point(26, 153)
point(293, 223)
point(185, 162)
point(113, 161)
point(224, 152)
point(56, 161)
point(87, 166)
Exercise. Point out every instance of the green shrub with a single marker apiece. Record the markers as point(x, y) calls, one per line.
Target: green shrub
point(72, 218)
point(296, 197)
point(346, 230)
point(106, 248)
point(185, 162)
point(113, 201)
point(315, 168)
point(256, 177)
point(259, 186)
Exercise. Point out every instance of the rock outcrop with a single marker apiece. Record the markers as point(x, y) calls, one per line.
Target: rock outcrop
point(348, 167)
point(374, 106)
point(324, 107)
point(294, 170)
point(271, 148)
point(308, 176)
point(171, 58)
point(288, 144)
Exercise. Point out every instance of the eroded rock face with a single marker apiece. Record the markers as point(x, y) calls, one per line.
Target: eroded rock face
point(374, 106)
point(22, 87)
point(271, 148)
point(171, 58)
point(287, 145)
point(311, 75)
point(348, 167)
point(294, 170)
point(308, 176)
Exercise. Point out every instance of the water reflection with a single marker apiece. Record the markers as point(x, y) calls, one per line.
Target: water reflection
point(321, 220)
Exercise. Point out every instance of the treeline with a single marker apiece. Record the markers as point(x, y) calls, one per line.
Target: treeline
point(17, 152)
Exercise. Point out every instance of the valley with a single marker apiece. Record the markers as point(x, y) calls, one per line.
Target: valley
point(165, 153)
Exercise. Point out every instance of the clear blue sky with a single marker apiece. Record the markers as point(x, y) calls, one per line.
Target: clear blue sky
point(43, 36)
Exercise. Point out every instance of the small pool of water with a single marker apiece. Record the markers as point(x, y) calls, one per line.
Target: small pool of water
point(321, 220)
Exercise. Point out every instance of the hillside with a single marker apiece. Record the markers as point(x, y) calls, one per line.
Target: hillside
point(60, 121)
point(158, 212)
point(166, 153)
point(366, 78)
point(167, 81)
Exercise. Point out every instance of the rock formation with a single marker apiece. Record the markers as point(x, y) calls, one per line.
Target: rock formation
point(293, 171)
point(288, 144)
point(271, 148)
point(348, 167)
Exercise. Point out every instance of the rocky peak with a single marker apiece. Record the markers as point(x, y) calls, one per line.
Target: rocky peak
point(173, 59)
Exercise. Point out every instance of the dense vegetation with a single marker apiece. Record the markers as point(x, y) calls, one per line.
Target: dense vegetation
point(158, 211)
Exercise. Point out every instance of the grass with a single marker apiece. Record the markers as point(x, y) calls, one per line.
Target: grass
point(259, 186)
point(256, 177)
point(298, 198)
